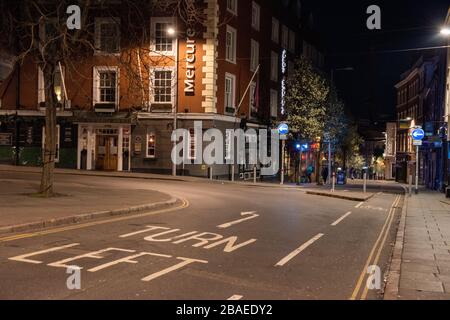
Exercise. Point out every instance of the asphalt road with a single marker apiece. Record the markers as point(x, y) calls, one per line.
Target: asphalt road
point(223, 241)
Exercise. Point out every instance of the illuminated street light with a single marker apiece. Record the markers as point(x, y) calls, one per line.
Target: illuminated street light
point(445, 31)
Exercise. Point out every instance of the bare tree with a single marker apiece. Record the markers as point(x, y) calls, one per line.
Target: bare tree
point(37, 29)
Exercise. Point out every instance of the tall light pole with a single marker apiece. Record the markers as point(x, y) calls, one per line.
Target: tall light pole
point(445, 31)
point(172, 32)
point(329, 138)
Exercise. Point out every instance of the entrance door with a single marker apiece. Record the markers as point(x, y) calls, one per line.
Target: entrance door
point(107, 153)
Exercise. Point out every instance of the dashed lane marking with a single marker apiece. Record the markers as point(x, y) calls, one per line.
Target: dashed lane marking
point(341, 219)
point(297, 251)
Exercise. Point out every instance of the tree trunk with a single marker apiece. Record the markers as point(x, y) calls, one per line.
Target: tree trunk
point(319, 165)
point(49, 152)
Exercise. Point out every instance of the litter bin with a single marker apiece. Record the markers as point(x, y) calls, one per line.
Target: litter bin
point(341, 178)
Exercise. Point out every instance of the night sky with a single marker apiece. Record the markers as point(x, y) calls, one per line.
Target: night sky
point(369, 90)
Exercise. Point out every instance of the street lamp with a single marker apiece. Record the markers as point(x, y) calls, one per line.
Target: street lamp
point(171, 31)
point(445, 31)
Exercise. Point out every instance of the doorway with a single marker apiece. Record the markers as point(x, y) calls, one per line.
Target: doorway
point(107, 153)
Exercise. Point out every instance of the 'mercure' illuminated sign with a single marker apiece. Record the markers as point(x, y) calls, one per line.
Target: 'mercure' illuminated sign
point(189, 83)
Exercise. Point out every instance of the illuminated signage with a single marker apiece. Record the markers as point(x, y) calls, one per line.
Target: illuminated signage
point(189, 83)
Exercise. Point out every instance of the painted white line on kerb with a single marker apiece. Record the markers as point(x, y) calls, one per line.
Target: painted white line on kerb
point(294, 253)
point(334, 224)
point(251, 215)
point(359, 204)
point(235, 297)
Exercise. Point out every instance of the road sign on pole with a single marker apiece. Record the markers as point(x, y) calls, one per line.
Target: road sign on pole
point(418, 134)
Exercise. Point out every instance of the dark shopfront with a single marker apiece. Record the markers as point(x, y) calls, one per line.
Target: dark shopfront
point(21, 141)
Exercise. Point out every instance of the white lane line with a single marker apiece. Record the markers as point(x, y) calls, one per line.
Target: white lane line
point(251, 215)
point(359, 204)
point(334, 224)
point(294, 253)
point(235, 297)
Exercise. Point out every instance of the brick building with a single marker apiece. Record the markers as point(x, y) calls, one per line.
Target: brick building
point(120, 116)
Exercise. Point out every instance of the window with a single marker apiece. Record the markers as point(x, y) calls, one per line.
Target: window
point(57, 142)
point(58, 86)
point(275, 30)
point(232, 6)
point(151, 145)
point(162, 42)
point(230, 82)
point(254, 55)
point(284, 37)
point(230, 54)
point(255, 15)
point(292, 41)
point(107, 35)
point(274, 66)
point(106, 85)
point(162, 86)
point(273, 103)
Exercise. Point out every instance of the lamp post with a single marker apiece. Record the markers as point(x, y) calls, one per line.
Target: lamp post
point(171, 31)
point(445, 31)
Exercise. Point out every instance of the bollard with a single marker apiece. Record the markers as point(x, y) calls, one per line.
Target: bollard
point(333, 186)
point(365, 182)
point(232, 172)
point(210, 173)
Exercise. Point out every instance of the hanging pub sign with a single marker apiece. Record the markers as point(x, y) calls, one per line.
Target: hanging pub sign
point(138, 145)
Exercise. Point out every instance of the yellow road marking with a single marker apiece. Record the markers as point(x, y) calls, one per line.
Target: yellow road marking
point(185, 204)
point(364, 271)
point(380, 248)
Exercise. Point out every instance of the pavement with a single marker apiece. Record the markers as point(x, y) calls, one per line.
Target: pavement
point(23, 210)
point(223, 241)
point(421, 261)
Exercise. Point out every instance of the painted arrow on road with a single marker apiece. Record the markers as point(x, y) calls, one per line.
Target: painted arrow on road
point(251, 215)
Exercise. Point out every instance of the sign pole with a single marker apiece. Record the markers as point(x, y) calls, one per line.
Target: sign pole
point(417, 169)
point(282, 161)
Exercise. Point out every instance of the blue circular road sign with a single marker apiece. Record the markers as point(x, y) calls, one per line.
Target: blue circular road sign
point(283, 129)
point(418, 134)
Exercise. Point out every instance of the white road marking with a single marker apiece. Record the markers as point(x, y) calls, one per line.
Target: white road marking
point(294, 253)
point(251, 214)
point(341, 218)
point(129, 259)
point(235, 297)
point(186, 261)
point(22, 258)
point(92, 255)
point(359, 204)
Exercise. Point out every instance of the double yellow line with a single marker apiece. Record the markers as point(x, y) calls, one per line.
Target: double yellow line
point(373, 260)
point(184, 204)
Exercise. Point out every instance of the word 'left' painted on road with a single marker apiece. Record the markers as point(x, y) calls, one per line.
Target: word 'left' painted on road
point(131, 258)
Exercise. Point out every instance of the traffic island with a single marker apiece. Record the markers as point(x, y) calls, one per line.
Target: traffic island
point(352, 196)
point(22, 212)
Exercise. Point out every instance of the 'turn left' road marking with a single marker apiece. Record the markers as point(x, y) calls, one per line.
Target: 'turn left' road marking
point(334, 224)
point(251, 215)
point(23, 257)
point(294, 253)
point(235, 297)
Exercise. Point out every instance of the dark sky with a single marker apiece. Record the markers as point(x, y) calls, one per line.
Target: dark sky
point(368, 91)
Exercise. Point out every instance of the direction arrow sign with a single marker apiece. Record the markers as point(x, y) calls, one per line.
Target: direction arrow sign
point(418, 134)
point(283, 129)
